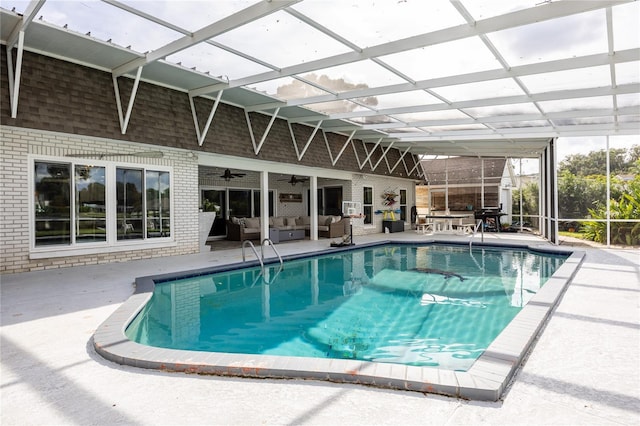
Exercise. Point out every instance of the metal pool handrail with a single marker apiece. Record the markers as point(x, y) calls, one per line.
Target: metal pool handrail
point(475, 230)
point(269, 242)
point(260, 258)
point(253, 248)
point(266, 280)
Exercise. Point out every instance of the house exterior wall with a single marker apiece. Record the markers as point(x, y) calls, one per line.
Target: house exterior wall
point(19, 145)
point(379, 185)
point(68, 108)
point(60, 96)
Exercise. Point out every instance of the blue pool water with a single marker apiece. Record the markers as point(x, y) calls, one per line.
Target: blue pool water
point(430, 305)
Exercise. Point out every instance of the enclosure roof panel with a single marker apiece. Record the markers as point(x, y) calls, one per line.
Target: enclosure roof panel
point(438, 77)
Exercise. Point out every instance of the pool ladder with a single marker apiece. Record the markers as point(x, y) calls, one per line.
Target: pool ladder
point(475, 231)
point(260, 258)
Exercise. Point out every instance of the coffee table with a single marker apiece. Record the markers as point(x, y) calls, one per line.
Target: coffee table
point(279, 235)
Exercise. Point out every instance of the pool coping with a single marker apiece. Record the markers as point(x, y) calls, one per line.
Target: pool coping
point(486, 380)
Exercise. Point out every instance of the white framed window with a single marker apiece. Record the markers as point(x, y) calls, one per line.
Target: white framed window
point(367, 204)
point(79, 204)
point(402, 204)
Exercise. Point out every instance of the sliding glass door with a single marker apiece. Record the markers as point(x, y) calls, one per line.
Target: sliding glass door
point(233, 202)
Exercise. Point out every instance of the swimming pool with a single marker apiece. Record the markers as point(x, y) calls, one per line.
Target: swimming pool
point(337, 325)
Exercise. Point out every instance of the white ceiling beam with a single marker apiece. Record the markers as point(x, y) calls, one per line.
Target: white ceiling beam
point(494, 51)
point(17, 37)
point(344, 146)
point(300, 154)
point(257, 147)
point(306, 146)
point(201, 91)
point(400, 159)
point(416, 166)
point(27, 17)
point(510, 20)
point(382, 157)
point(369, 153)
point(601, 112)
point(506, 100)
point(203, 135)
point(14, 75)
point(531, 132)
point(222, 26)
point(147, 16)
point(124, 118)
point(344, 41)
point(594, 60)
point(610, 47)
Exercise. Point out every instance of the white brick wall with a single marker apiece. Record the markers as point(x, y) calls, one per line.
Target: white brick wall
point(379, 184)
point(18, 143)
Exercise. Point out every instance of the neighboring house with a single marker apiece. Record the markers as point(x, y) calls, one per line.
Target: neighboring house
point(465, 184)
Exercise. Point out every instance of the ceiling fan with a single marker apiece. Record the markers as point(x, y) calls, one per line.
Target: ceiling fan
point(227, 175)
point(293, 180)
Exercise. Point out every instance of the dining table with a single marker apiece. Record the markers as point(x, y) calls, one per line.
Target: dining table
point(442, 222)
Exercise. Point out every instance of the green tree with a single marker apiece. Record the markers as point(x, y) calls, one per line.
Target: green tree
point(621, 161)
point(578, 194)
point(529, 201)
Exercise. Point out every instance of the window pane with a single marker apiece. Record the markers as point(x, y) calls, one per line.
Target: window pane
point(582, 182)
point(333, 201)
point(403, 213)
point(158, 204)
point(271, 203)
point(367, 204)
point(368, 214)
point(367, 195)
point(256, 203)
point(239, 203)
point(529, 208)
point(52, 201)
point(90, 220)
point(129, 203)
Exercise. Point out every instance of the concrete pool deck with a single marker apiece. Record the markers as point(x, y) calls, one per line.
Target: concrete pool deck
point(584, 368)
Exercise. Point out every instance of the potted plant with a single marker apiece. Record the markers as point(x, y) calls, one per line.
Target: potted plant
point(206, 217)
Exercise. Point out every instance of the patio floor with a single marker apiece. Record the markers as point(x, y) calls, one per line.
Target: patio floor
point(584, 369)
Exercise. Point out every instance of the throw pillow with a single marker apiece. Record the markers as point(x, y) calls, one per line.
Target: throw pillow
point(252, 222)
point(290, 221)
